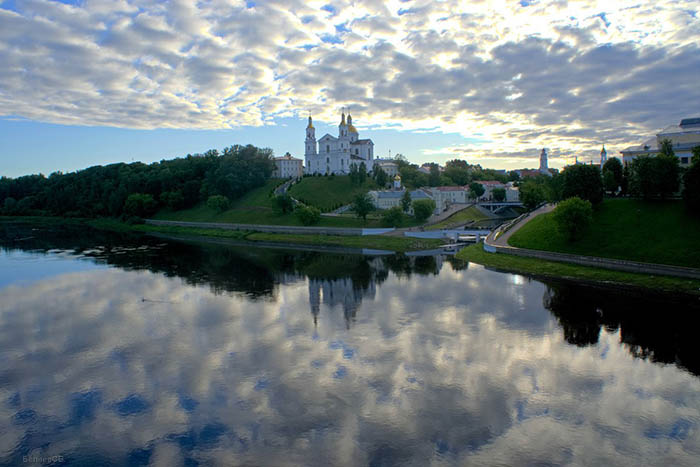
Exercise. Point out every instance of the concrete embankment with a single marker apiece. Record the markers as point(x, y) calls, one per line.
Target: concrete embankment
point(288, 229)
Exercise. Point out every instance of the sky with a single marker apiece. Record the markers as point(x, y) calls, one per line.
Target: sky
point(93, 82)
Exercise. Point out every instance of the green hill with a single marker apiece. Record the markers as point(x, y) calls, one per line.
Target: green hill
point(648, 231)
point(257, 207)
point(328, 193)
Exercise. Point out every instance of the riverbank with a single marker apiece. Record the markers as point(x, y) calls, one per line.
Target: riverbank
point(398, 244)
point(556, 270)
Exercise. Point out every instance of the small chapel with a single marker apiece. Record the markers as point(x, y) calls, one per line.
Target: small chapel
point(335, 155)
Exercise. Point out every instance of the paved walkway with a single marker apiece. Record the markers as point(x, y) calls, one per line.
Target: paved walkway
point(502, 240)
point(454, 208)
point(500, 245)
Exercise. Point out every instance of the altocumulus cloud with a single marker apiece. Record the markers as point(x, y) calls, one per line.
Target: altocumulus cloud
point(510, 75)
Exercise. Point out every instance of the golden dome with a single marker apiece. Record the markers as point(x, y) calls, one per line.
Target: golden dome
point(310, 125)
point(397, 178)
point(352, 129)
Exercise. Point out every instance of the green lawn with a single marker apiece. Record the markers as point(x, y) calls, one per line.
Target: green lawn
point(538, 267)
point(461, 217)
point(327, 193)
point(649, 231)
point(257, 207)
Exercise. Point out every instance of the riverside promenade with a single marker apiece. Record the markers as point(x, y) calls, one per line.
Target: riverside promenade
point(287, 229)
point(497, 242)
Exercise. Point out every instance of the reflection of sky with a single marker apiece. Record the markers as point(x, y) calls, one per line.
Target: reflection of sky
point(462, 367)
point(22, 266)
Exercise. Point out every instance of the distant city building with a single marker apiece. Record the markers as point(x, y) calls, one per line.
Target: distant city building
point(684, 137)
point(335, 155)
point(387, 199)
point(288, 167)
point(390, 167)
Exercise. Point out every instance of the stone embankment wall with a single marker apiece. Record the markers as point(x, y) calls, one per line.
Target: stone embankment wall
point(272, 228)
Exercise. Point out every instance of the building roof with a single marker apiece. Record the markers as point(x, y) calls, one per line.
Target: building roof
point(287, 158)
point(489, 182)
point(690, 122)
point(450, 188)
point(393, 194)
point(362, 141)
point(380, 162)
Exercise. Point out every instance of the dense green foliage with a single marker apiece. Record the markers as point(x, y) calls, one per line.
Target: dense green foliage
point(308, 215)
point(648, 231)
point(573, 216)
point(362, 205)
point(423, 208)
point(499, 194)
point(104, 190)
point(284, 203)
point(612, 174)
point(406, 201)
point(538, 267)
point(476, 190)
point(654, 176)
point(691, 184)
point(140, 205)
point(328, 193)
point(583, 181)
point(532, 194)
point(393, 217)
point(218, 203)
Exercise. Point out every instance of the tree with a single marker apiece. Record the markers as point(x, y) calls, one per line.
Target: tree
point(499, 194)
point(381, 177)
point(583, 181)
point(308, 215)
point(613, 166)
point(172, 199)
point(423, 208)
point(532, 194)
point(573, 216)
point(406, 201)
point(393, 217)
point(354, 175)
point(476, 190)
point(667, 172)
point(609, 182)
point(666, 148)
point(363, 205)
point(691, 187)
point(361, 173)
point(140, 205)
point(696, 155)
point(434, 177)
point(9, 205)
point(284, 203)
point(218, 203)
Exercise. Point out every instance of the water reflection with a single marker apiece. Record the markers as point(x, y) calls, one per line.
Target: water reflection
point(186, 354)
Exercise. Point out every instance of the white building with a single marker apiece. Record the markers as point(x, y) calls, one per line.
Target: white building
point(387, 199)
point(391, 168)
point(288, 167)
point(544, 167)
point(336, 154)
point(684, 137)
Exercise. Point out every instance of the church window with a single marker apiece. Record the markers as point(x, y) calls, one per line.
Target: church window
point(328, 148)
point(357, 151)
point(328, 159)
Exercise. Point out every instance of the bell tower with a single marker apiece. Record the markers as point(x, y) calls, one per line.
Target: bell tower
point(310, 139)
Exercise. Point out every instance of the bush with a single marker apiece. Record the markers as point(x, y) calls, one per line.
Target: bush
point(308, 215)
point(173, 199)
point(140, 205)
point(393, 217)
point(423, 208)
point(573, 216)
point(218, 203)
point(284, 203)
point(363, 205)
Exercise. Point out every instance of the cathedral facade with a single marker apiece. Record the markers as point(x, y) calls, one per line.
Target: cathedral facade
point(335, 155)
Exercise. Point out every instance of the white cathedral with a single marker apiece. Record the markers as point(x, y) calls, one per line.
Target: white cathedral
point(333, 155)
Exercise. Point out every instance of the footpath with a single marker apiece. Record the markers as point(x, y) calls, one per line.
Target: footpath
point(497, 242)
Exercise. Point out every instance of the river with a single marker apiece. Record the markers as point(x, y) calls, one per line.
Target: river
point(134, 350)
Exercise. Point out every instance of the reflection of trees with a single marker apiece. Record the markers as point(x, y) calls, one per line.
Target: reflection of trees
point(660, 329)
point(334, 279)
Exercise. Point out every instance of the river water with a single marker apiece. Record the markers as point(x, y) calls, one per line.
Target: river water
point(124, 350)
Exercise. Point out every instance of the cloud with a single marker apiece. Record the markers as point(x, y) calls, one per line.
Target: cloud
point(565, 75)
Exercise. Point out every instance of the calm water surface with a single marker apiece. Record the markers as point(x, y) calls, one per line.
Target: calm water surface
point(118, 350)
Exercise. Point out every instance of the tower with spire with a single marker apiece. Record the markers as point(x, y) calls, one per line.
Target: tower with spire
point(310, 139)
point(603, 157)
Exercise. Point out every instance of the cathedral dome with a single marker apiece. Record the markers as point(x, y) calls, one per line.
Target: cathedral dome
point(352, 129)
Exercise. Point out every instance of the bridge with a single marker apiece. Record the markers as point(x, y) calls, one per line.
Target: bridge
point(495, 206)
point(453, 234)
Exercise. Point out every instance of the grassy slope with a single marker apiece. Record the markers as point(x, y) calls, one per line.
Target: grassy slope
point(654, 232)
point(465, 215)
point(328, 192)
point(257, 207)
point(476, 254)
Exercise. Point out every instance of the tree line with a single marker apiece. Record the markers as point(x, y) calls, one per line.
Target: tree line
point(138, 189)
